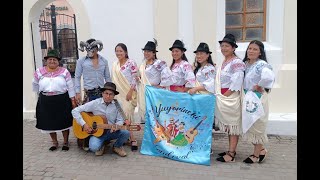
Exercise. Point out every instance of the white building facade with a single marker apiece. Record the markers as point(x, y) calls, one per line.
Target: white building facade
point(193, 21)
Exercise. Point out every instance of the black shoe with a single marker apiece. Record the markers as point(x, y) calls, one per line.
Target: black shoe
point(224, 153)
point(221, 159)
point(262, 157)
point(134, 145)
point(52, 148)
point(250, 161)
point(65, 147)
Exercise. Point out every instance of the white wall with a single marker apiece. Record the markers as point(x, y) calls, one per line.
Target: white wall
point(126, 21)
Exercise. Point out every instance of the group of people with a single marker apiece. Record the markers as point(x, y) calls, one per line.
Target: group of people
point(60, 101)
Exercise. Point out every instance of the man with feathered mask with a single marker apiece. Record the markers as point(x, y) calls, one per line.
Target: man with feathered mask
point(94, 69)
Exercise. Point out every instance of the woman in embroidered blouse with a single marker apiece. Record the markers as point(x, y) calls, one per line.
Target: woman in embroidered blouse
point(204, 71)
point(125, 75)
point(181, 68)
point(153, 71)
point(229, 82)
point(56, 99)
point(259, 78)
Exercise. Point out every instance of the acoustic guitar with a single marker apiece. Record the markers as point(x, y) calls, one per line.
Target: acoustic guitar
point(192, 132)
point(98, 124)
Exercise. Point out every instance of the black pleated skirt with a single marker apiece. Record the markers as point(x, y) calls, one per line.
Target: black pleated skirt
point(54, 112)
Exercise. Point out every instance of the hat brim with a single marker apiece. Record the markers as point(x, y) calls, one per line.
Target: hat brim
point(235, 45)
point(149, 49)
point(183, 49)
point(202, 51)
point(103, 89)
point(46, 57)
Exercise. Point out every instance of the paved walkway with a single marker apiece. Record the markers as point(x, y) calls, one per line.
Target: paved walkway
point(40, 163)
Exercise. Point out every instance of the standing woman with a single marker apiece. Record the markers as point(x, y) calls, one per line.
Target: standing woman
point(229, 82)
point(181, 68)
point(56, 99)
point(153, 71)
point(124, 75)
point(204, 71)
point(259, 78)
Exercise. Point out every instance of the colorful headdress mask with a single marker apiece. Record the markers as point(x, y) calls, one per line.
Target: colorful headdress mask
point(90, 46)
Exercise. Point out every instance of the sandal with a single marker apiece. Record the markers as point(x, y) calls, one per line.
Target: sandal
point(134, 145)
point(262, 157)
point(251, 160)
point(224, 153)
point(221, 159)
point(54, 147)
point(65, 147)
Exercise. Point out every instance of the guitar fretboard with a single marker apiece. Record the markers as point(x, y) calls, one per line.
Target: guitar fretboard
point(120, 109)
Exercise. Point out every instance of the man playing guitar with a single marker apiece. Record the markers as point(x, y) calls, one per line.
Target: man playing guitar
point(105, 107)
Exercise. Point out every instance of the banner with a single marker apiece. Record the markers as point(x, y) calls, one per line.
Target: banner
point(178, 125)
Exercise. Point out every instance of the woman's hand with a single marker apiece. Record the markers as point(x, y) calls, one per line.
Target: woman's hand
point(192, 91)
point(78, 98)
point(129, 95)
point(73, 102)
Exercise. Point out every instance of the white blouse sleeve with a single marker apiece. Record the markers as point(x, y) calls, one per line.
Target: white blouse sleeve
point(189, 76)
point(167, 77)
point(71, 88)
point(210, 75)
point(267, 78)
point(35, 81)
point(238, 68)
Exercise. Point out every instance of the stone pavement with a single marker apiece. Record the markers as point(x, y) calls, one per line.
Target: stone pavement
point(40, 163)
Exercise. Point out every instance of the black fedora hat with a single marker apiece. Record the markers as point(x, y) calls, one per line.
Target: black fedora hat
point(178, 44)
point(110, 86)
point(151, 46)
point(203, 47)
point(230, 39)
point(53, 53)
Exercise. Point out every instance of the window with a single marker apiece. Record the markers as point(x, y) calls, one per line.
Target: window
point(246, 19)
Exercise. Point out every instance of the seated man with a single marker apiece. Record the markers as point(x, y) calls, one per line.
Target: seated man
point(104, 106)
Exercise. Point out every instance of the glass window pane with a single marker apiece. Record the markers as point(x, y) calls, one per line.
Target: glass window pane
point(236, 32)
point(254, 5)
point(254, 33)
point(234, 5)
point(254, 19)
point(234, 20)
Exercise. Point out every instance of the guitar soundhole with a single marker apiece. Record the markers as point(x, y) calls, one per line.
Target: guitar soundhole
point(94, 125)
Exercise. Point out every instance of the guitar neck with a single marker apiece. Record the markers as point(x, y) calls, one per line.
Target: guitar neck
point(119, 127)
point(112, 126)
point(199, 123)
point(120, 109)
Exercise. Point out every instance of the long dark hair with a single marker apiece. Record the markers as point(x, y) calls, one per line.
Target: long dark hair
point(198, 65)
point(184, 57)
point(124, 47)
point(262, 55)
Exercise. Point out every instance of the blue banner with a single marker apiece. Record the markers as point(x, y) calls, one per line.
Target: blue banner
point(178, 125)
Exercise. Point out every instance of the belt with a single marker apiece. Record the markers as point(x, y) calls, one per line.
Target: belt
point(93, 90)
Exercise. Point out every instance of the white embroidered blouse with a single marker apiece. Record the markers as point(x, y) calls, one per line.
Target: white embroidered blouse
point(206, 76)
point(53, 83)
point(183, 74)
point(259, 73)
point(159, 73)
point(130, 71)
point(232, 74)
